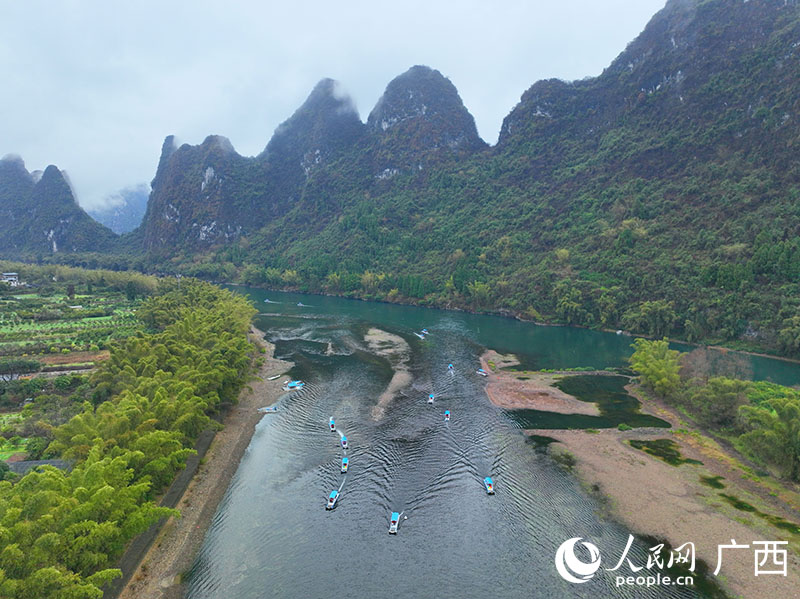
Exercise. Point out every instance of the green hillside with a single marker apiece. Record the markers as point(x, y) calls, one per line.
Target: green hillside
point(659, 197)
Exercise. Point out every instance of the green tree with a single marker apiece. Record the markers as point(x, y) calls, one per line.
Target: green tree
point(789, 336)
point(656, 317)
point(717, 402)
point(774, 435)
point(11, 368)
point(480, 293)
point(569, 303)
point(657, 365)
point(253, 275)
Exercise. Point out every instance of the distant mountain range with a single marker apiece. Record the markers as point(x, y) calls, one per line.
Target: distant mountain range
point(661, 196)
point(124, 211)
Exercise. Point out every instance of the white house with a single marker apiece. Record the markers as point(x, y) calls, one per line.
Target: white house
point(11, 278)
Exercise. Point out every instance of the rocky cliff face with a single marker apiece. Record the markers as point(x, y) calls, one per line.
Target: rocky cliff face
point(209, 195)
point(16, 185)
point(324, 127)
point(706, 80)
point(708, 73)
point(419, 119)
point(193, 199)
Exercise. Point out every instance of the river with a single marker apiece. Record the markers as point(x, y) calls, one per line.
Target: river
point(273, 537)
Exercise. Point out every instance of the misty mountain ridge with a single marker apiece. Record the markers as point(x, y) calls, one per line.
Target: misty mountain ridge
point(39, 214)
point(661, 195)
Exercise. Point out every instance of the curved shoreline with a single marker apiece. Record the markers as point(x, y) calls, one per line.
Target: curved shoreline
point(519, 317)
point(159, 575)
point(651, 498)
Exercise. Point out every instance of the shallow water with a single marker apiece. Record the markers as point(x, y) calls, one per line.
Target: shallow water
point(272, 536)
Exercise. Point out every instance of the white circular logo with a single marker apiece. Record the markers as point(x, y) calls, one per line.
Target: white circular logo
point(570, 567)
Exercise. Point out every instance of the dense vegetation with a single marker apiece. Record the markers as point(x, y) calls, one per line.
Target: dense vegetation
point(39, 214)
point(60, 532)
point(659, 197)
point(761, 419)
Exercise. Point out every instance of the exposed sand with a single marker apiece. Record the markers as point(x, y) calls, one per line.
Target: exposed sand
point(397, 351)
point(534, 391)
point(174, 551)
point(651, 497)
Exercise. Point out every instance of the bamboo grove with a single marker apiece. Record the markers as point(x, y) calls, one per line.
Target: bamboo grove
point(61, 532)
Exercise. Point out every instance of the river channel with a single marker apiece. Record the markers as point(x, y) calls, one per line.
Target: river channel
point(273, 537)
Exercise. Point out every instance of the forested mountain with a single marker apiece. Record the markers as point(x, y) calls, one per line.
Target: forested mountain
point(38, 214)
point(661, 196)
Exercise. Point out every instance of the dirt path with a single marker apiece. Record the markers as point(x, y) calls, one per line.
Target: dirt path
point(175, 548)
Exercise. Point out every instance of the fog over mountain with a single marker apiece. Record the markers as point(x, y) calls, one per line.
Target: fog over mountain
point(95, 90)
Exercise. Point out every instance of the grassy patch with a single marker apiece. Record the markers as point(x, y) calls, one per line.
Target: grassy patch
point(715, 482)
point(776, 521)
point(7, 450)
point(663, 449)
point(564, 458)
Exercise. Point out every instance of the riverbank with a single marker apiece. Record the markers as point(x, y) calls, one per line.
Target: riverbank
point(754, 350)
point(173, 552)
point(684, 503)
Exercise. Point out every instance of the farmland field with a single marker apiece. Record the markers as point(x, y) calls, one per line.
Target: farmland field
point(54, 330)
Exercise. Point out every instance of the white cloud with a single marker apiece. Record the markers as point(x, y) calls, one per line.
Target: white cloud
point(94, 87)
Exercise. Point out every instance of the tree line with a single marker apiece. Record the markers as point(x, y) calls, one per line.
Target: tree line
point(761, 419)
point(61, 531)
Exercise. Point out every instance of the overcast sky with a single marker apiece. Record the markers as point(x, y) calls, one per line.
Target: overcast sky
point(94, 86)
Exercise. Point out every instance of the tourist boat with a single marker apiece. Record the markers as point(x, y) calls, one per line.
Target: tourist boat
point(332, 498)
point(450, 367)
point(424, 331)
point(447, 415)
point(420, 335)
point(345, 464)
point(393, 523)
point(332, 424)
point(293, 385)
point(430, 398)
point(273, 377)
point(344, 442)
point(481, 372)
point(268, 409)
point(487, 482)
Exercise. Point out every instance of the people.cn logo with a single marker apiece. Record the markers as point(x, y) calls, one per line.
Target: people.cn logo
point(570, 567)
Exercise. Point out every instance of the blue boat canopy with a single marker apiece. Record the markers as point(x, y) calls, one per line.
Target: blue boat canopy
point(488, 480)
point(395, 516)
point(333, 494)
point(344, 460)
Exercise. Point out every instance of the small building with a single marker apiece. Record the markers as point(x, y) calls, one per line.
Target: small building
point(11, 278)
